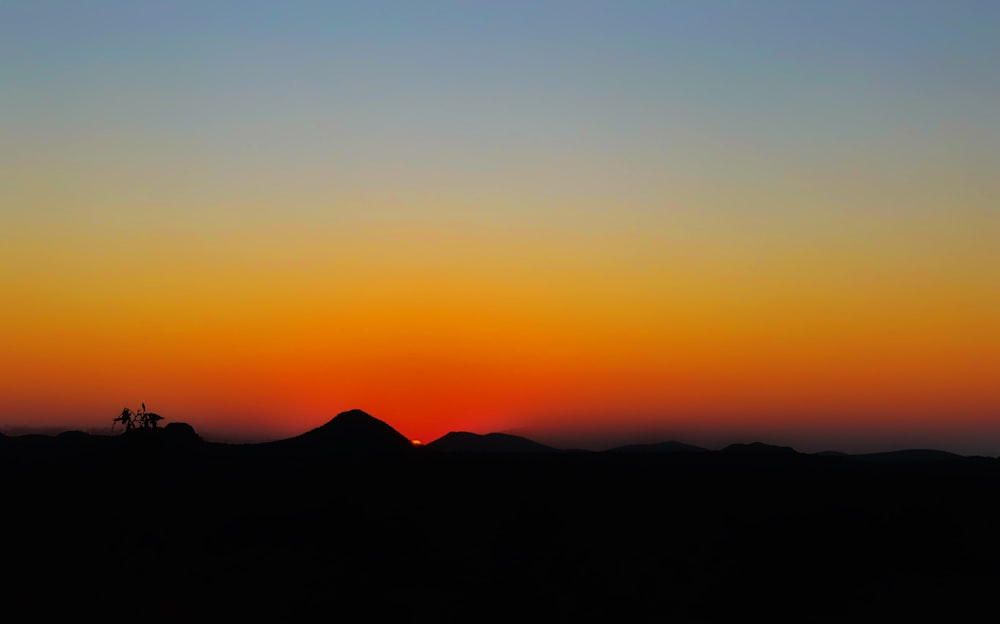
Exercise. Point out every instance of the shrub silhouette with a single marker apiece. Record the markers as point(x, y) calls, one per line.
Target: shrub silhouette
point(125, 419)
point(139, 419)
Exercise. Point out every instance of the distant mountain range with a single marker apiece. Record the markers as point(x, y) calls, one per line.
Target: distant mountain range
point(759, 447)
point(357, 432)
point(671, 446)
point(465, 442)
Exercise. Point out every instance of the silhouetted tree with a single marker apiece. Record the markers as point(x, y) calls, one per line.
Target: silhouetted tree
point(147, 420)
point(139, 418)
point(125, 419)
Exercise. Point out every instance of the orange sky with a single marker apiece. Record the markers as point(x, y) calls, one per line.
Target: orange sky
point(640, 219)
point(475, 333)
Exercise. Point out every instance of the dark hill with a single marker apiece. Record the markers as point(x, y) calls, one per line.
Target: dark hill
point(465, 442)
point(759, 447)
point(180, 434)
point(79, 437)
point(353, 431)
point(671, 446)
point(181, 430)
point(907, 455)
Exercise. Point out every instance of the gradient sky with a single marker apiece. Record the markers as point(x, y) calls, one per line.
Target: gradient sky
point(581, 221)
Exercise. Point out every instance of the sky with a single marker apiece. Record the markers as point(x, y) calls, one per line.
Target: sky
point(586, 222)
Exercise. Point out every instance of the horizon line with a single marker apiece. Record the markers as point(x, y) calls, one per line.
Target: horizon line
point(14, 431)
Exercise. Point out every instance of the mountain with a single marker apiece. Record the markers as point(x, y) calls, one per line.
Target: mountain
point(671, 446)
point(465, 442)
point(907, 455)
point(180, 435)
point(353, 431)
point(759, 447)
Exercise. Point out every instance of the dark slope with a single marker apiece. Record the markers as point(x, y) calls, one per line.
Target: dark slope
point(351, 432)
point(907, 455)
point(760, 447)
point(671, 446)
point(163, 532)
point(465, 442)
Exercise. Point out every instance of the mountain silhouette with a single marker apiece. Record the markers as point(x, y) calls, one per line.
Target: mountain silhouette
point(354, 431)
point(671, 446)
point(180, 435)
point(465, 442)
point(759, 447)
point(336, 518)
point(181, 431)
point(907, 455)
point(73, 436)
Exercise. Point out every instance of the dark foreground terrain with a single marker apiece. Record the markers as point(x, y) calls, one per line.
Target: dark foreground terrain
point(158, 526)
